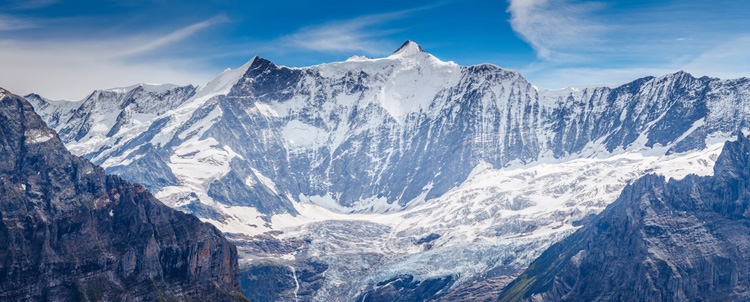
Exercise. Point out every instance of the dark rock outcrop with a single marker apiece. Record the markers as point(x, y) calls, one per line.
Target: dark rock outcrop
point(405, 288)
point(266, 281)
point(681, 240)
point(69, 232)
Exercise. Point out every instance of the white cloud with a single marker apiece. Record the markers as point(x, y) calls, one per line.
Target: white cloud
point(71, 69)
point(337, 37)
point(553, 27)
point(730, 59)
point(359, 35)
point(581, 42)
point(556, 78)
point(173, 37)
point(28, 4)
point(8, 22)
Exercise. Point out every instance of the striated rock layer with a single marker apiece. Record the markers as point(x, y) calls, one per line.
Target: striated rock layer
point(70, 232)
point(681, 240)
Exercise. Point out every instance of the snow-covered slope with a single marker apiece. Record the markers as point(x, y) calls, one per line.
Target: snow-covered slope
point(491, 225)
point(403, 165)
point(681, 240)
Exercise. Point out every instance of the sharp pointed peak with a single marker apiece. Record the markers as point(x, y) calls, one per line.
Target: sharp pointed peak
point(259, 62)
point(678, 74)
point(409, 47)
point(251, 61)
point(259, 59)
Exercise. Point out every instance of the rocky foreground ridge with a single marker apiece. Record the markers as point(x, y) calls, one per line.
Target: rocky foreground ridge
point(676, 240)
point(69, 232)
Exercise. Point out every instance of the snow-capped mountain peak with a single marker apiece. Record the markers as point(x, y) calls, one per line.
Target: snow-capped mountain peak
point(412, 52)
point(224, 82)
point(408, 48)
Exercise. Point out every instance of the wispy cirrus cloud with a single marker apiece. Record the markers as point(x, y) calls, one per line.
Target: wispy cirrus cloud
point(28, 4)
point(8, 23)
point(730, 59)
point(355, 35)
point(556, 27)
point(364, 34)
point(72, 68)
point(580, 42)
point(174, 36)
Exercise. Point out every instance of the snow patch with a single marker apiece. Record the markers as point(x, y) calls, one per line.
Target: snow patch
point(266, 110)
point(250, 181)
point(372, 204)
point(356, 58)
point(297, 134)
point(37, 136)
point(265, 181)
point(697, 124)
point(150, 87)
point(196, 163)
point(240, 220)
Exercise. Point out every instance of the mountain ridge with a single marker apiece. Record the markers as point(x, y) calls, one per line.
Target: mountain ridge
point(660, 241)
point(71, 232)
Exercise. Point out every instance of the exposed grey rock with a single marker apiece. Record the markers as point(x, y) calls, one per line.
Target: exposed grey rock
point(681, 240)
point(70, 232)
point(405, 288)
point(270, 281)
point(150, 169)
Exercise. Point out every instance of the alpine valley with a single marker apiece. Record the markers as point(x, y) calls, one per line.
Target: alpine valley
point(401, 178)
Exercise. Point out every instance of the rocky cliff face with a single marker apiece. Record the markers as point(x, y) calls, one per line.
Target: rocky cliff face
point(70, 232)
point(681, 240)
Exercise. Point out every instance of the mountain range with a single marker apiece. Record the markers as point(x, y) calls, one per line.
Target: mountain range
point(404, 177)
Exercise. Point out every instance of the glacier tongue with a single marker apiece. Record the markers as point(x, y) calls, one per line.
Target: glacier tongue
point(395, 166)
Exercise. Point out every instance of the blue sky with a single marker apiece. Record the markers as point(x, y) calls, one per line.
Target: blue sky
point(66, 49)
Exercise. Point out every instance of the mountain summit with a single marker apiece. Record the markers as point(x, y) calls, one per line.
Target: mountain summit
point(409, 47)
